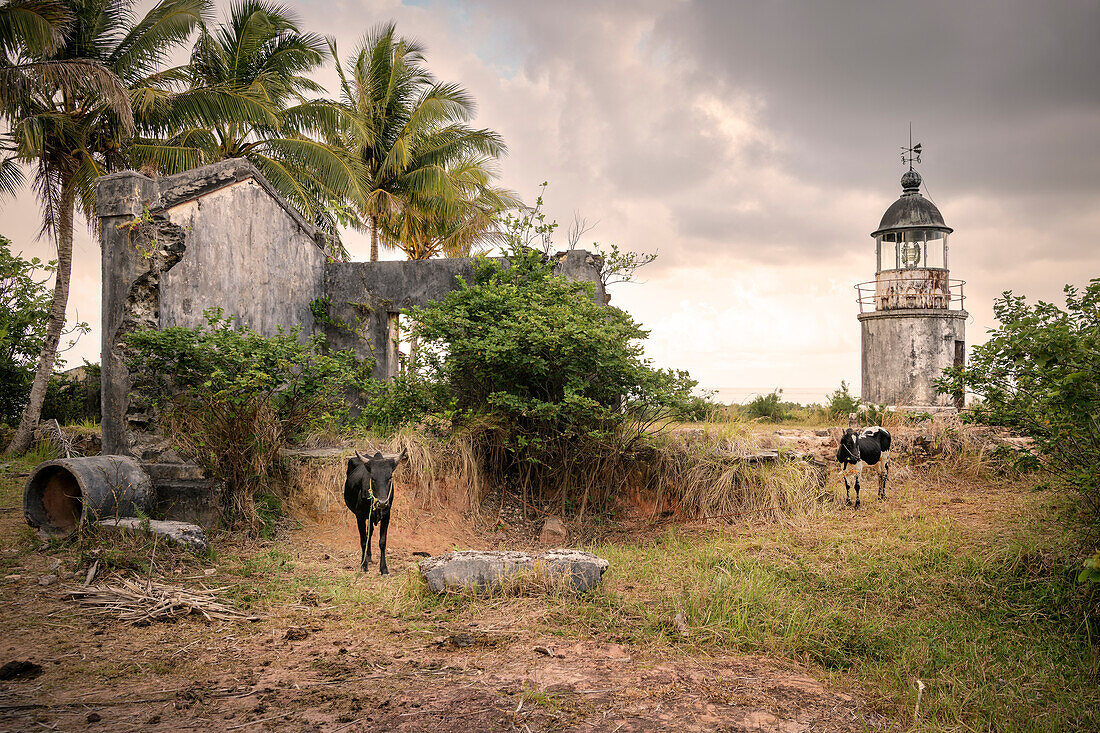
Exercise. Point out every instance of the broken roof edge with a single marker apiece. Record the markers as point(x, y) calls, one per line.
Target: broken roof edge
point(128, 192)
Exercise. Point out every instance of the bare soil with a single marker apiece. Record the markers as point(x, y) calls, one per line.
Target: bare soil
point(310, 665)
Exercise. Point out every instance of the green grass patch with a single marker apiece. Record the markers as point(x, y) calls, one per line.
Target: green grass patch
point(990, 620)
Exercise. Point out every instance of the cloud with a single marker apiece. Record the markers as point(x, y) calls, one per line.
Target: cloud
point(755, 146)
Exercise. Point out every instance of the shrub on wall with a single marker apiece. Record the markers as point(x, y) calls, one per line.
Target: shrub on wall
point(231, 397)
point(561, 378)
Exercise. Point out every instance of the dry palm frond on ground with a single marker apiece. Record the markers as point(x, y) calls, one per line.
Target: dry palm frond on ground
point(142, 601)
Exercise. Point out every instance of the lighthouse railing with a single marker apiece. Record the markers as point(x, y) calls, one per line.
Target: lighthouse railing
point(895, 293)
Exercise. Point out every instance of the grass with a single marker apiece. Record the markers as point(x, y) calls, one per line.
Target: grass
point(988, 617)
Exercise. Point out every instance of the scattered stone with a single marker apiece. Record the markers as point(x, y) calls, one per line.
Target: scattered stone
point(47, 580)
point(188, 536)
point(680, 622)
point(94, 717)
point(16, 670)
point(485, 570)
point(170, 456)
point(296, 633)
point(554, 532)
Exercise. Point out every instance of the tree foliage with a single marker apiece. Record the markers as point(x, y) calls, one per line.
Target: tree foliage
point(1039, 375)
point(24, 305)
point(246, 94)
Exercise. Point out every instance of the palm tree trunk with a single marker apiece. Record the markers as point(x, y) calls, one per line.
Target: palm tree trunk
point(374, 239)
point(55, 324)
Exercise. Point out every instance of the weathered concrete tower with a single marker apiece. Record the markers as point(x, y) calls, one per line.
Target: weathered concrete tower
point(911, 314)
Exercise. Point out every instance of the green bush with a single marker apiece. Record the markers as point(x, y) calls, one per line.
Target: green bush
point(70, 400)
point(406, 400)
point(1039, 376)
point(841, 402)
point(231, 397)
point(562, 377)
point(698, 408)
point(768, 407)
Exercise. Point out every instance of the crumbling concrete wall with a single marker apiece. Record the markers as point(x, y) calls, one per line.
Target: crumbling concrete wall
point(221, 237)
point(365, 298)
point(214, 237)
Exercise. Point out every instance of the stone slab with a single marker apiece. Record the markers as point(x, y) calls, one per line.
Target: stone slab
point(188, 536)
point(484, 570)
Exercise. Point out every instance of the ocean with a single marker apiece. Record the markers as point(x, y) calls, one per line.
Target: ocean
point(801, 395)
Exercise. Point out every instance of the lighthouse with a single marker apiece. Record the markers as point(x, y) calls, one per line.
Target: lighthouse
point(911, 315)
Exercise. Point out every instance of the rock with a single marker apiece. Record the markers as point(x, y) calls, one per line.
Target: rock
point(680, 622)
point(554, 532)
point(16, 669)
point(296, 633)
point(47, 580)
point(485, 570)
point(94, 718)
point(188, 536)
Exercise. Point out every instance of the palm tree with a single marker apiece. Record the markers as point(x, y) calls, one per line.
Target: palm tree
point(245, 96)
point(68, 69)
point(406, 129)
point(458, 221)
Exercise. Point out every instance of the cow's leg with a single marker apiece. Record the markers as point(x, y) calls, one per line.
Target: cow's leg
point(847, 491)
point(364, 542)
point(859, 475)
point(382, 530)
point(883, 474)
point(370, 535)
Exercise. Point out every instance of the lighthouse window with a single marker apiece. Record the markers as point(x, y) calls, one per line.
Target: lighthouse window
point(912, 248)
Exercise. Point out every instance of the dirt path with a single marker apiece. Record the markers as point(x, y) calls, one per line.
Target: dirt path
point(309, 666)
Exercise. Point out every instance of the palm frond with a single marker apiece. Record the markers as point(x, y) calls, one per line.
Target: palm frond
point(36, 26)
point(150, 40)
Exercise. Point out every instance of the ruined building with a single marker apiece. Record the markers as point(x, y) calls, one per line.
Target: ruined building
point(912, 321)
point(220, 236)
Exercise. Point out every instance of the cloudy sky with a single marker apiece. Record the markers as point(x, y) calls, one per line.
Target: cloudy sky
point(754, 145)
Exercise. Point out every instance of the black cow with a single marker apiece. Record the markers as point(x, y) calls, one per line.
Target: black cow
point(368, 493)
point(868, 448)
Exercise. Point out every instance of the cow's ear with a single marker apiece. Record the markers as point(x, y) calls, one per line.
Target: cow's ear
point(404, 455)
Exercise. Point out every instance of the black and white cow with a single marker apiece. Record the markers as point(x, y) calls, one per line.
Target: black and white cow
point(368, 493)
point(870, 447)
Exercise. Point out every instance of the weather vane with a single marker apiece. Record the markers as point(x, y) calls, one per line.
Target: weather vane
point(910, 154)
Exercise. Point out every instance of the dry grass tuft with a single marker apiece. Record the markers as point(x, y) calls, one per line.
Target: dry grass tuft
point(716, 471)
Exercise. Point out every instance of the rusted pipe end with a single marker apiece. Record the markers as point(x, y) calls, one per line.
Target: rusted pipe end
point(63, 493)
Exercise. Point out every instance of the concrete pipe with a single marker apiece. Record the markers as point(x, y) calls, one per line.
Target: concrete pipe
point(62, 494)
